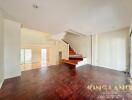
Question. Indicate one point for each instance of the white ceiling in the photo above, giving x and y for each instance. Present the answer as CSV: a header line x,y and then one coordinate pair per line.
x,y
83,16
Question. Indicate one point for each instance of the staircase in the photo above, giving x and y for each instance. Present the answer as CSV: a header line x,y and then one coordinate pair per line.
x,y
74,58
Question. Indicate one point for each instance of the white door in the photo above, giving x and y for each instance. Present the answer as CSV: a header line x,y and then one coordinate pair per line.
x,y
43,57
26,56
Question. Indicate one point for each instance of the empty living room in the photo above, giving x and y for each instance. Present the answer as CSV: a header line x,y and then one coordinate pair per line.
x,y
65,49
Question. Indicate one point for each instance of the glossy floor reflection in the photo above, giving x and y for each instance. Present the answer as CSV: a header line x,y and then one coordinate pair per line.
x,y
25,67
61,82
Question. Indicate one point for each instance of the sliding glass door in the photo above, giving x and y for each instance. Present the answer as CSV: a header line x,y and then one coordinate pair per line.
x,y
26,56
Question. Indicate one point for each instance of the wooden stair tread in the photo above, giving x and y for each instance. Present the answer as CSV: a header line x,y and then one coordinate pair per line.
x,y
72,62
73,57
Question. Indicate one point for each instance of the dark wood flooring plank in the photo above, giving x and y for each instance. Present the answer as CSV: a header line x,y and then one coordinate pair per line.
x,y
62,83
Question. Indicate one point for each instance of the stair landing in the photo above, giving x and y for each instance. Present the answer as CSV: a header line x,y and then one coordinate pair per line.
x,y
71,62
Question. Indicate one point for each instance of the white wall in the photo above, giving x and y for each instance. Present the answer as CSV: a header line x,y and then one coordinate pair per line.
x,y
29,36
59,36
131,48
81,44
131,56
11,48
111,50
1,50
130,30
64,48
59,46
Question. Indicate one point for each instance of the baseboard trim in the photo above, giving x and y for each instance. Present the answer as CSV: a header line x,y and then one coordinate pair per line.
x,y
1,83
121,70
12,76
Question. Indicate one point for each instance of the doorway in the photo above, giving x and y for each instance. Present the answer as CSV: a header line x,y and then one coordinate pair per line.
x,y
33,58
43,57
26,59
